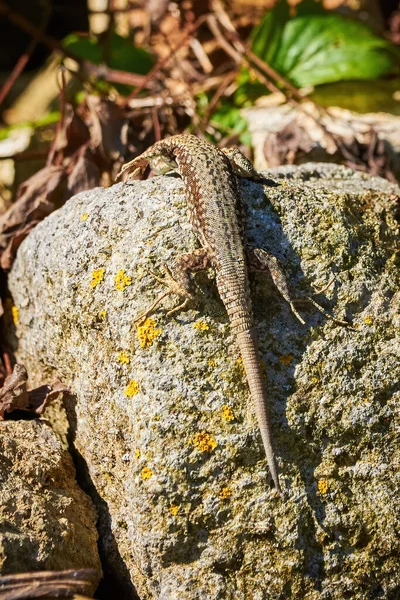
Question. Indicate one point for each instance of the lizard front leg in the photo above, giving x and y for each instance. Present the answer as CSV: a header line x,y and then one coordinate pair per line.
x,y
178,279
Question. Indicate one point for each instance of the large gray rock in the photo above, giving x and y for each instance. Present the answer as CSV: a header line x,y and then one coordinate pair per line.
x,y
162,416
46,522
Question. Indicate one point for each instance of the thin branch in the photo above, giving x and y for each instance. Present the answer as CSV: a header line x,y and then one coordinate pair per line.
x,y
157,67
60,122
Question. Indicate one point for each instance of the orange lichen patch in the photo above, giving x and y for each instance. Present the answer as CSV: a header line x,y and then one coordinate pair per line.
x,y
147,332
132,389
97,277
137,453
122,280
204,442
323,486
368,320
227,413
146,473
174,509
240,364
225,493
84,217
201,326
123,358
286,359
15,314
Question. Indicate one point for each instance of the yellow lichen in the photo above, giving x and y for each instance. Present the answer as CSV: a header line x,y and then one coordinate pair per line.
x,y
227,413
314,379
146,473
368,320
211,362
132,389
137,453
240,364
102,314
201,326
225,493
286,359
97,277
84,217
174,509
122,280
147,332
123,358
323,486
204,442
15,314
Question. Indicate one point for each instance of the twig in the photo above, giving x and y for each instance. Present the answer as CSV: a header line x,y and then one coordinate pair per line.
x,y
215,99
98,71
60,122
157,67
156,124
23,59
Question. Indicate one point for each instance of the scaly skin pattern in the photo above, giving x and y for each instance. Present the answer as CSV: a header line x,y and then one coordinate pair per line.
x,y
213,199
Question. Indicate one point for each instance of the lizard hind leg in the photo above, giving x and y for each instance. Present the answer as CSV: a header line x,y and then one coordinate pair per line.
x,y
263,261
178,280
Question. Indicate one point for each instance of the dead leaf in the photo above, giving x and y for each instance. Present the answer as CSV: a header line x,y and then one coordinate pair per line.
x,y
8,254
42,396
285,146
43,187
109,128
85,174
14,395
75,132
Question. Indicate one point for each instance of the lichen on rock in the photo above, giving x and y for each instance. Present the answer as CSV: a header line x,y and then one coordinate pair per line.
x,y
208,524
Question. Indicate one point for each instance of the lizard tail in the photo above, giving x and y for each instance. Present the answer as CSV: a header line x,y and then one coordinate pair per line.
x,y
247,341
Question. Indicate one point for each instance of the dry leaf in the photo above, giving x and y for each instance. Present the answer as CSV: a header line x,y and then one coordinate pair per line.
x,y
85,174
36,193
285,146
109,128
14,395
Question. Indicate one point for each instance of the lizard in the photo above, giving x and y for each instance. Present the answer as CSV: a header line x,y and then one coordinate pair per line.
x,y
215,213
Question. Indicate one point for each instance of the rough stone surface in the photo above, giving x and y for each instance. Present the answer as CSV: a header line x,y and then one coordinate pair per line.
x,y
167,429
46,522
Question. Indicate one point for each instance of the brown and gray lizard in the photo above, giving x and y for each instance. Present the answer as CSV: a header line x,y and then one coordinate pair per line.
x,y
212,195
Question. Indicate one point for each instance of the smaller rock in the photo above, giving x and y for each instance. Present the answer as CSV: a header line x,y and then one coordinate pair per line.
x,y
46,521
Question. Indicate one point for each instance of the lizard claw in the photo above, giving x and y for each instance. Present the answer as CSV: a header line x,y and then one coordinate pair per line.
x,y
173,287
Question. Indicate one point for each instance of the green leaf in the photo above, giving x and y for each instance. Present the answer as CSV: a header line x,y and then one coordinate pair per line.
x,y
229,119
317,46
121,53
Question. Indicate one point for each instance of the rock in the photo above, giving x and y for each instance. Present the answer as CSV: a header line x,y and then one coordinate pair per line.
x,y
294,134
162,415
47,522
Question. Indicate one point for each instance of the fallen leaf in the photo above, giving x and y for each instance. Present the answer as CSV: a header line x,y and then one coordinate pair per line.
x,y
43,187
85,174
109,127
286,145
8,254
42,396
14,395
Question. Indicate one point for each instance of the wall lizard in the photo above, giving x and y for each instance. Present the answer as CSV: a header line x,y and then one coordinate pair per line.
x,y
213,198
